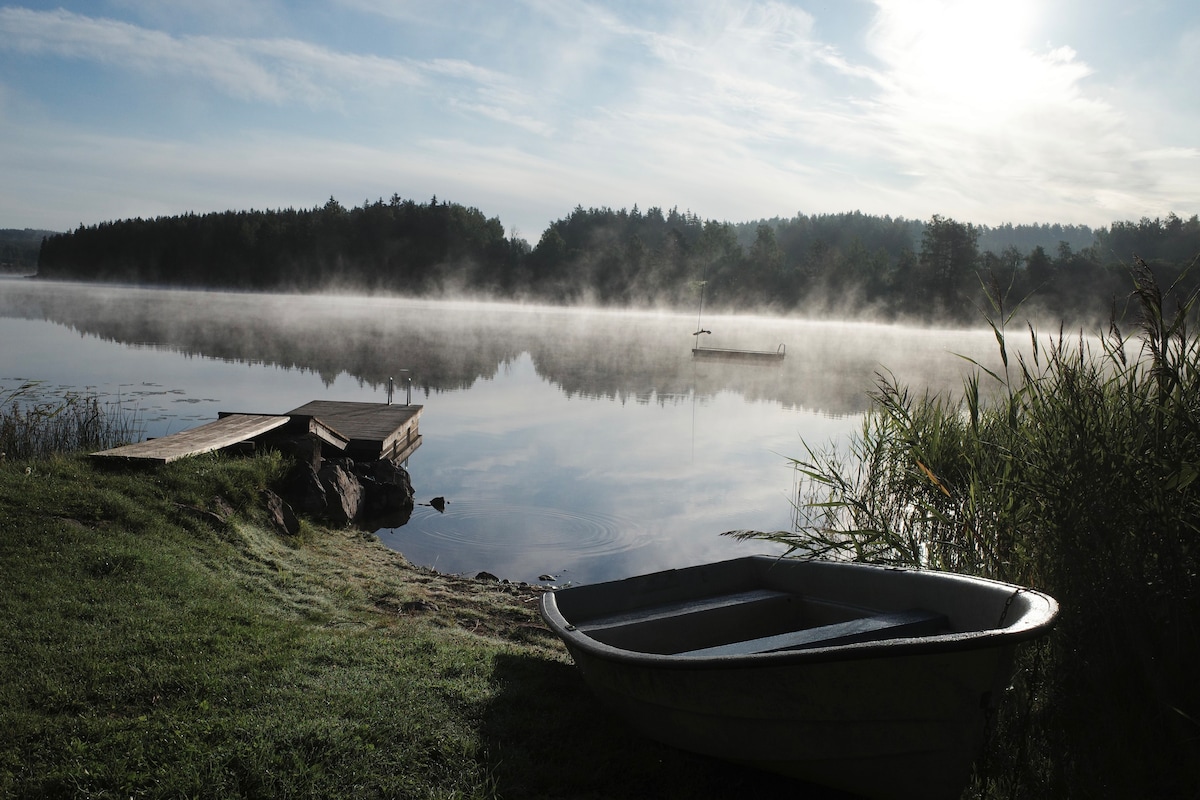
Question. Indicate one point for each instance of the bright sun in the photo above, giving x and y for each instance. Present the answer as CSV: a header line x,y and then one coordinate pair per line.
x,y
959,47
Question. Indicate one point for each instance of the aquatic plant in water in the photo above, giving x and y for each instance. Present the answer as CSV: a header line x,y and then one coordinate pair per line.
x,y
34,425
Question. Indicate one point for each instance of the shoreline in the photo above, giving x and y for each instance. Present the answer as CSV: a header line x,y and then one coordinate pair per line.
x,y
160,642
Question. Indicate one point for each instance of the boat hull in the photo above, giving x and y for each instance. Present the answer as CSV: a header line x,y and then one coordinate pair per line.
x,y
902,717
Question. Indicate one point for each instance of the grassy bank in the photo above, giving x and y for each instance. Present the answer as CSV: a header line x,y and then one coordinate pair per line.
x,y
157,639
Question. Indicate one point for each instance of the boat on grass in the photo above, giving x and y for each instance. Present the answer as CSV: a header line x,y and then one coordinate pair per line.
x,y
873,680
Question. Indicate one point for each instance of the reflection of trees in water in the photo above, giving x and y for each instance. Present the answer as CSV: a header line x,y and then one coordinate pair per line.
x,y
447,346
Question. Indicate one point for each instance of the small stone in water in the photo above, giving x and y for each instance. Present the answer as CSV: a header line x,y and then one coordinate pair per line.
x,y
547,577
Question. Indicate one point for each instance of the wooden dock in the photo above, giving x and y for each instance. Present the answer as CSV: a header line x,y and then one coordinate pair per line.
x,y
371,430
224,432
365,431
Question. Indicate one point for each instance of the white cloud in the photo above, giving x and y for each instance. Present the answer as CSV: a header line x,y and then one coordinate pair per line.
x,y
958,113
490,94
507,116
67,176
279,71
273,70
989,125
223,14
732,109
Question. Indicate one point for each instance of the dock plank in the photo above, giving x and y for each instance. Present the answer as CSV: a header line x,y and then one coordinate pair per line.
x,y
224,432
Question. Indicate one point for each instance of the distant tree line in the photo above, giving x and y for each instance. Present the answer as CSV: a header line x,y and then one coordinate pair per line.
x,y
851,264
19,249
401,246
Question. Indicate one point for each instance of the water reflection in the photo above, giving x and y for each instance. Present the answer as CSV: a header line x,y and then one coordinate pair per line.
x,y
588,445
629,356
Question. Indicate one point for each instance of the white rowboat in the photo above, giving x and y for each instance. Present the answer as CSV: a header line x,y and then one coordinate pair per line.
x,y
873,680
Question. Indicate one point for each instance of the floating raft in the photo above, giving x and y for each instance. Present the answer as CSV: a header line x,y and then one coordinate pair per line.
x,y
365,431
729,354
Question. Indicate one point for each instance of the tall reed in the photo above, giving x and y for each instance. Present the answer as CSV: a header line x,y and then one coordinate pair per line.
x,y
1073,468
34,426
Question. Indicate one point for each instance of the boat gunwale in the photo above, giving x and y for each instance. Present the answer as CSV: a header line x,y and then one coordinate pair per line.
x,y
1032,623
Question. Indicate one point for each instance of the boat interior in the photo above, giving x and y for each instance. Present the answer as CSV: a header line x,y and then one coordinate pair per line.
x,y
764,604
755,621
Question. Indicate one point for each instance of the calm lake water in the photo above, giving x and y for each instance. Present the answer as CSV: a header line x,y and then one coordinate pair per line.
x,y
584,444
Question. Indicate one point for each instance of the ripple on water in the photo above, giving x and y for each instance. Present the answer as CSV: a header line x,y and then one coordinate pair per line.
x,y
491,527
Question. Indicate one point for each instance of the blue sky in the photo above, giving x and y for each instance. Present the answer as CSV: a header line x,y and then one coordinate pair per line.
x,y
987,111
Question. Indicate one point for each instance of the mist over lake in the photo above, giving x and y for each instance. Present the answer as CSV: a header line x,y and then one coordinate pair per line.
x,y
578,443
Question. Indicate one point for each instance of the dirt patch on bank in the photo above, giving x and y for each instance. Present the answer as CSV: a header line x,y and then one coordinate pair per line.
x,y
390,588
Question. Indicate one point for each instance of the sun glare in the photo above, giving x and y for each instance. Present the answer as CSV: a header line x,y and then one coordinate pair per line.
x,y
962,48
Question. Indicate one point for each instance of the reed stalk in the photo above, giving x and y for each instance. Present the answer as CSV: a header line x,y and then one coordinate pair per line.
x,y
1071,468
33,425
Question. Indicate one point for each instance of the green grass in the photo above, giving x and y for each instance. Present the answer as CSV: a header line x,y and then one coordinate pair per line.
x,y
156,641
1073,468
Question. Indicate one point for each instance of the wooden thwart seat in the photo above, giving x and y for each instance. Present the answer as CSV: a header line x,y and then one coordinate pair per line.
x,y
737,600
901,624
